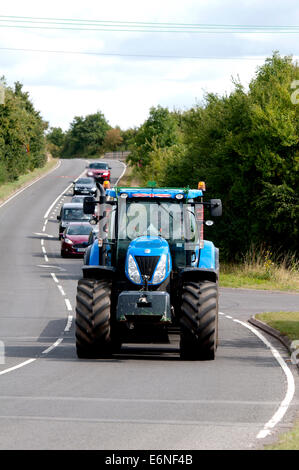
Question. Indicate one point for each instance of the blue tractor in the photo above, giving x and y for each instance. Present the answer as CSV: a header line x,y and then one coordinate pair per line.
x,y
149,273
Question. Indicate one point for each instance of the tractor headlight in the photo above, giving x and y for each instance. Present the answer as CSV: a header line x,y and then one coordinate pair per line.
x,y
160,271
133,270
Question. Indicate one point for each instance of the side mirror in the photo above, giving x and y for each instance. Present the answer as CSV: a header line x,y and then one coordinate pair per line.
x,y
58,217
216,207
109,168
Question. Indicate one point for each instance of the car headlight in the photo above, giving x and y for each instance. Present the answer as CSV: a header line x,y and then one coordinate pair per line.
x,y
133,270
89,173
68,241
160,271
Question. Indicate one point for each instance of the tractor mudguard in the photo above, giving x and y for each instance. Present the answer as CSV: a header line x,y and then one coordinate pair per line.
x,y
98,272
198,274
208,267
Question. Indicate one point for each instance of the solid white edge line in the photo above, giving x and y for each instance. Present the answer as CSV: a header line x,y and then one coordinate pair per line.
x,y
125,167
29,185
279,414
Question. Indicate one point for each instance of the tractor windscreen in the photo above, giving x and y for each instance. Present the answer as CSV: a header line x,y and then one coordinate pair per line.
x,y
175,222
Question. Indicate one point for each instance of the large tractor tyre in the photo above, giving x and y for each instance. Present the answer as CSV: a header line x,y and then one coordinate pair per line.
x,y
93,319
199,321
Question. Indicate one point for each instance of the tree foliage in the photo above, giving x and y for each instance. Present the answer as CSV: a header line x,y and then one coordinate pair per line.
x,y
113,140
22,140
85,136
158,131
55,140
245,146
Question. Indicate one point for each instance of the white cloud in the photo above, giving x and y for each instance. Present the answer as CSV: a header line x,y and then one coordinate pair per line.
x,y
124,88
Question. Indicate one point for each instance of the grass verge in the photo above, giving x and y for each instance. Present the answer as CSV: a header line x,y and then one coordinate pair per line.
x,y
286,323
8,189
287,441
129,178
262,270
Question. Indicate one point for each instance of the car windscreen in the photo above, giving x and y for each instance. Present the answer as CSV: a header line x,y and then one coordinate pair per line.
x,y
79,230
84,181
78,199
74,214
99,166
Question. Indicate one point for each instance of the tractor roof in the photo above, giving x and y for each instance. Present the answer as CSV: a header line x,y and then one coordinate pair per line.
x,y
159,193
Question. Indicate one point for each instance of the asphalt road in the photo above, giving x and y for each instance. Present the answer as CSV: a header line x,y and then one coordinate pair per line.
x,y
143,398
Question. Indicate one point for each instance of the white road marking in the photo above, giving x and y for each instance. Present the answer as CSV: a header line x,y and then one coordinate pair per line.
x,y
284,405
125,167
69,323
22,364
60,195
68,304
61,290
50,266
43,234
46,258
54,345
54,277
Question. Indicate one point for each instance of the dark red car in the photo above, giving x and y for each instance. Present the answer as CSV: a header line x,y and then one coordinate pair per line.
x,y
74,239
100,171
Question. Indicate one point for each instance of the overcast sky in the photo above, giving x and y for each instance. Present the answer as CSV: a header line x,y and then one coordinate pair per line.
x,y
64,85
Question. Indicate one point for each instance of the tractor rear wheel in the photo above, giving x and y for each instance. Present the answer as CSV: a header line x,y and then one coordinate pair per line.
x,y
199,320
93,319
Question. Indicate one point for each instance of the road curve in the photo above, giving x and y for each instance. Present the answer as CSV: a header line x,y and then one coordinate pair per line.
x,y
143,398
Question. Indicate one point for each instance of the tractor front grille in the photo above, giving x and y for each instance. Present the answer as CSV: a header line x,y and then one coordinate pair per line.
x,y
147,264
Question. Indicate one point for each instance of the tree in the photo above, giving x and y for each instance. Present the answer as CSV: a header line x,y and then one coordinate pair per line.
x,y
22,140
112,140
245,145
160,130
86,135
55,140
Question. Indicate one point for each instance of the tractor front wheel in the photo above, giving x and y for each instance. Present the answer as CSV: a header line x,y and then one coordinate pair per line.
x,y
93,319
199,320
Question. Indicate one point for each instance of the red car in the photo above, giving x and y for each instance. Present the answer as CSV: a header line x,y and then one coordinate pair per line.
x,y
74,239
100,171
